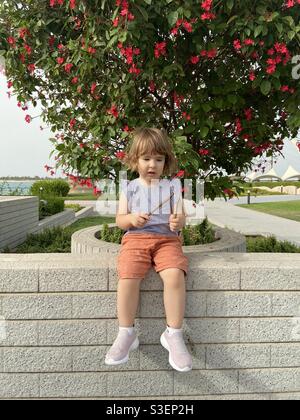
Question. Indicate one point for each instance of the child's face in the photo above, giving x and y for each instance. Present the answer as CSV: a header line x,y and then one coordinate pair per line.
x,y
151,166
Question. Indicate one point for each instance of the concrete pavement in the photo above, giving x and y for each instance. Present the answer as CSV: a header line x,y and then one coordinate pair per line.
x,y
251,222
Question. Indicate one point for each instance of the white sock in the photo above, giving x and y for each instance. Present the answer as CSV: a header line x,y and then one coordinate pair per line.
x,y
173,330
130,330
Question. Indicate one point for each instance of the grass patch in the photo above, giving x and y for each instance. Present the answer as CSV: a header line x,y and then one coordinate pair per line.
x,y
257,192
287,209
75,207
276,184
88,196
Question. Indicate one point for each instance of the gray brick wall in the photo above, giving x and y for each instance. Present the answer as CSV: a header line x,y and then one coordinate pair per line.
x,y
60,319
19,216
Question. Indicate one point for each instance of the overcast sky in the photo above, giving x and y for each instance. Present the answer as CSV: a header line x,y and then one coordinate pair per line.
x,y
24,148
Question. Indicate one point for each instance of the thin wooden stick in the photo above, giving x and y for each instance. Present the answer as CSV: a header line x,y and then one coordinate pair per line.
x,y
160,206
175,212
164,202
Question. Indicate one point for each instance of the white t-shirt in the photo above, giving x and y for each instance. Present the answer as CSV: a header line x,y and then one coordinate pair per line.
x,y
145,199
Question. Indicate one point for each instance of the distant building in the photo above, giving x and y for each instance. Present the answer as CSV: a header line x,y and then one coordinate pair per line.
x,y
286,168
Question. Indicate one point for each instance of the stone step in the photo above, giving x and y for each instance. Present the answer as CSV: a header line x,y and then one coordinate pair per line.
x,y
97,305
149,383
83,332
151,357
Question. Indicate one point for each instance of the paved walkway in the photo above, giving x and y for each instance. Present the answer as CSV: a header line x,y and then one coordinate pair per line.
x,y
220,213
251,222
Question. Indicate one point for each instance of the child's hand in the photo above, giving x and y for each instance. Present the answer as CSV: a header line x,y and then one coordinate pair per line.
x,y
176,223
139,220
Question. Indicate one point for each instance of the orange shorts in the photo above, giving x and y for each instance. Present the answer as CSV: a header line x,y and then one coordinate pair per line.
x,y
140,251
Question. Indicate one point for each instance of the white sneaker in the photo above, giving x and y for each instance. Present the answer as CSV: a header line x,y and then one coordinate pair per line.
x,y
179,356
119,351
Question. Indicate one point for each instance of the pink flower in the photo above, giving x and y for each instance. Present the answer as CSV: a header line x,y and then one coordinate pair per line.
x,y
93,88
252,76
248,114
113,111
120,155
207,5
238,126
97,191
194,59
31,68
204,152
160,49
68,67
186,116
237,44
60,60
180,174
152,86
72,123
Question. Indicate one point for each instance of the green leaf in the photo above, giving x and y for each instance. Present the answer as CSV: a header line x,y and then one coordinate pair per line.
x,y
143,12
291,35
172,18
258,31
265,87
204,131
230,4
232,99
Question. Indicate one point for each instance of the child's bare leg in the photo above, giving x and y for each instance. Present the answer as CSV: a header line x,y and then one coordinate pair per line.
x,y
127,340
127,301
174,296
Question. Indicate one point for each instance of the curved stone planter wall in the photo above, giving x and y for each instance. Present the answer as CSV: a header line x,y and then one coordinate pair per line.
x,y
86,241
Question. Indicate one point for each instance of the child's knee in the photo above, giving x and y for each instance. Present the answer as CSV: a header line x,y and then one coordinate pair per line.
x,y
130,282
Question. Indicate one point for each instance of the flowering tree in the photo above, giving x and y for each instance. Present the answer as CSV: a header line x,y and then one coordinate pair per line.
x,y
217,75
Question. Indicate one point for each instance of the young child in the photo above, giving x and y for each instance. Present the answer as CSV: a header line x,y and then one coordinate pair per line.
x,y
152,238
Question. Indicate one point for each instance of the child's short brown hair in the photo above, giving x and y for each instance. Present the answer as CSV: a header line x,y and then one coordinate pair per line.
x,y
151,141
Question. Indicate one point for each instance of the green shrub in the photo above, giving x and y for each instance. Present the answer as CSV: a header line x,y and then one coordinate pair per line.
x,y
192,235
270,244
55,187
57,239
113,235
50,206
198,234
75,207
